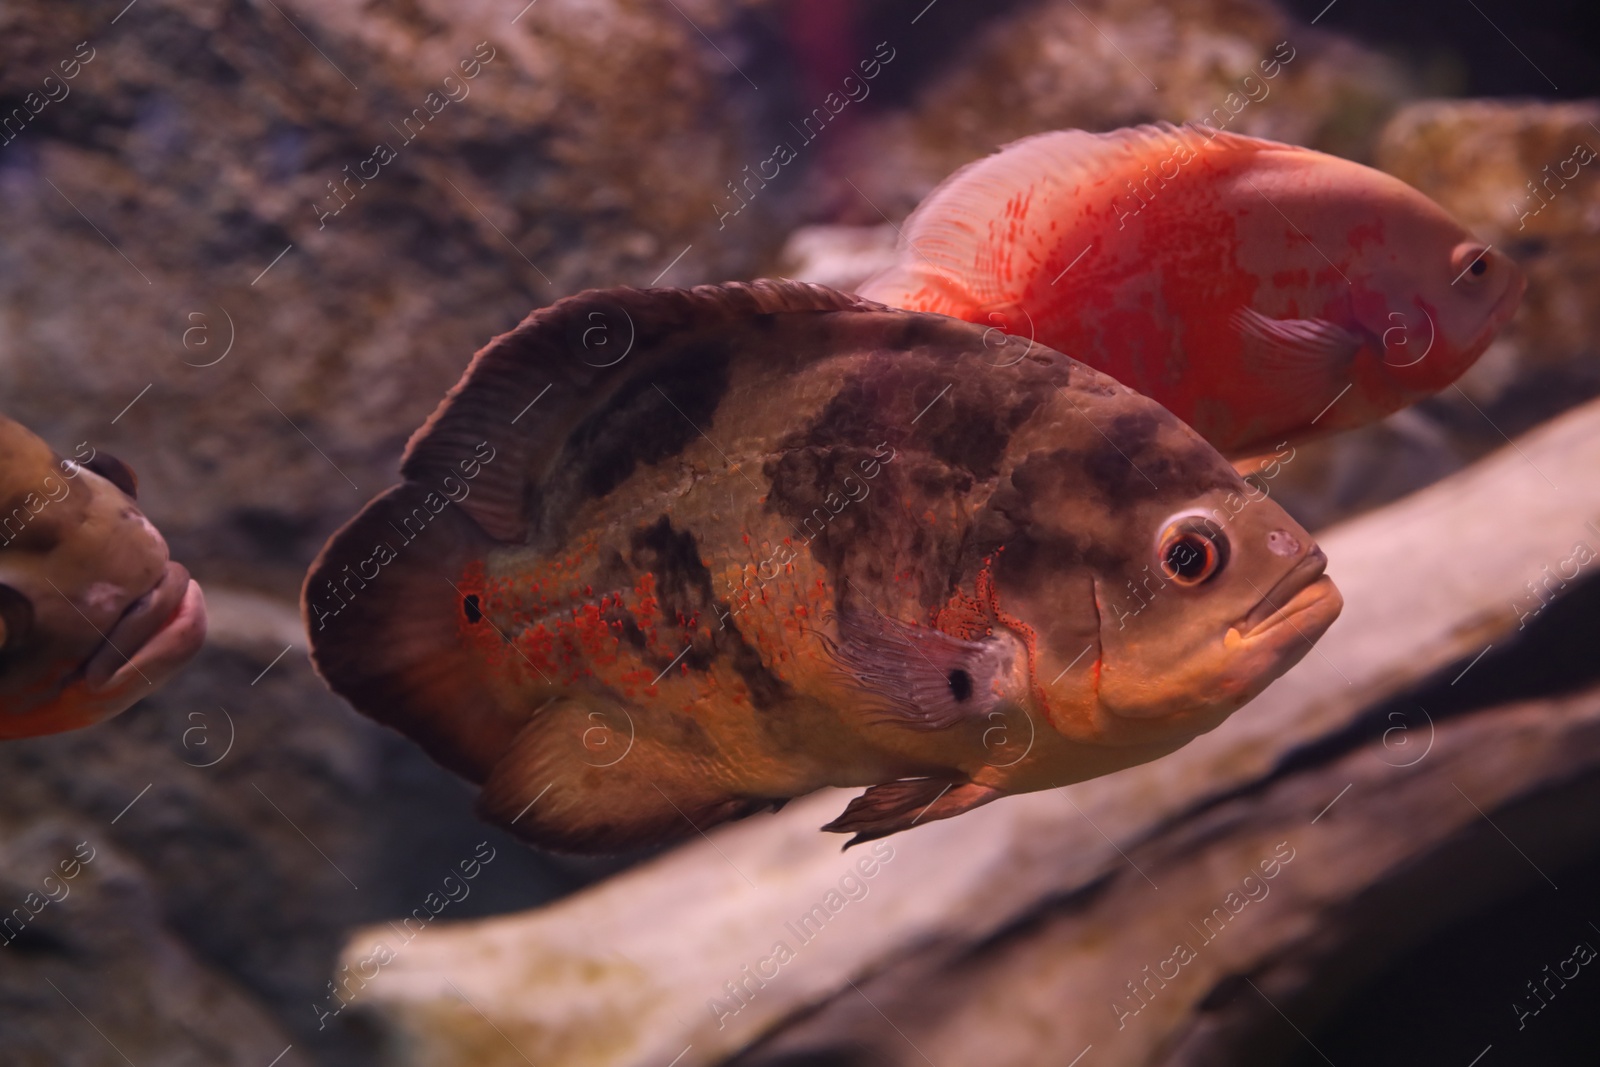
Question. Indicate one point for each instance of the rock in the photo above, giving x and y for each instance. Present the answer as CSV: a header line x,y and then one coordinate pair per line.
x,y
251,820
841,257
599,978
244,621
214,272
148,210
180,291
1101,65
1487,162
92,974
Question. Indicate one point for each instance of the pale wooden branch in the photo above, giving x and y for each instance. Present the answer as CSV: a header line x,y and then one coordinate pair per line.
x,y
1199,970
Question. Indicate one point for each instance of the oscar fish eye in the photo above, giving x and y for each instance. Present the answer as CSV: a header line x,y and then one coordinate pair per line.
x,y
116,472
1191,552
1469,263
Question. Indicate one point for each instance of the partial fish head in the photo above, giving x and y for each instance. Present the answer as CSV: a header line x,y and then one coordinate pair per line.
x,y
1431,293
1158,592
93,614
1425,295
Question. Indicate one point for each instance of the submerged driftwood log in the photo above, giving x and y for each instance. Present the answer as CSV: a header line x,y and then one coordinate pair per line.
x,y
711,948
1230,937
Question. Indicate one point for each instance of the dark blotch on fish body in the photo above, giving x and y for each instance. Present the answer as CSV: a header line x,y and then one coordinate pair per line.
x,y
641,426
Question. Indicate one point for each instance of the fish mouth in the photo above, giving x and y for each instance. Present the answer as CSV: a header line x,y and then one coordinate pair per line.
x,y
1506,306
1304,586
159,632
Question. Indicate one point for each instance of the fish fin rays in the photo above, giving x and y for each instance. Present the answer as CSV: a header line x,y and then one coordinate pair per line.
x,y
1304,354
962,237
895,806
917,676
1245,466
587,780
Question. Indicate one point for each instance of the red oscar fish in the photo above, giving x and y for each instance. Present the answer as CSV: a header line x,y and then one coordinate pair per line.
x,y
1262,293
665,558
93,615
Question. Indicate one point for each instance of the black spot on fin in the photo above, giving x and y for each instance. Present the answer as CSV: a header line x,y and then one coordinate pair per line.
x,y
385,619
920,677
894,806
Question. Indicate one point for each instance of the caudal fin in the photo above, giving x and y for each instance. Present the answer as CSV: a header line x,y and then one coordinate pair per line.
x,y
386,616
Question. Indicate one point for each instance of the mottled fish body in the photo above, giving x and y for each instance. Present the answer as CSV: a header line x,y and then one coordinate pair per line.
x,y
1261,292
664,558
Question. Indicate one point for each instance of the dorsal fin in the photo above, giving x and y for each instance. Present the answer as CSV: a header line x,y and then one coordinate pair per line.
x,y
528,390
964,235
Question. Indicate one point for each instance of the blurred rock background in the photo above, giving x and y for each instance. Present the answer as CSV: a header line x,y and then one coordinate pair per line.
x,y
176,290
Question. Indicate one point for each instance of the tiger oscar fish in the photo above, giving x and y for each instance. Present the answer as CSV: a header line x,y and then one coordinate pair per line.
x,y
665,558
94,616
1261,292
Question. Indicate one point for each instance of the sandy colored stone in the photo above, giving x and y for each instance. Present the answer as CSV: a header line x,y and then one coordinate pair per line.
x,y
1098,65
95,943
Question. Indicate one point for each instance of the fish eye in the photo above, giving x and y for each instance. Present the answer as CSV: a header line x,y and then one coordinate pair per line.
x,y
1191,552
471,609
116,472
1469,262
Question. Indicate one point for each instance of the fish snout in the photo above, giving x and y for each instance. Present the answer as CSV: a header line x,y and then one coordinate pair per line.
x,y
1510,300
1304,588
157,633
1286,543
1488,276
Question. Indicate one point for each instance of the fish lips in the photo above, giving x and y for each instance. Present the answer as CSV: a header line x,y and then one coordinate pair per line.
x,y
159,632
1303,587
1507,305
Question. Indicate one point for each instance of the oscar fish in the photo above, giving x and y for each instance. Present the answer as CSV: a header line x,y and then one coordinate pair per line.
x,y
665,558
1261,292
94,616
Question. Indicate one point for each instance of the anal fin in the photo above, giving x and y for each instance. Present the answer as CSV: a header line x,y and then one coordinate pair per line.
x,y
894,806
580,780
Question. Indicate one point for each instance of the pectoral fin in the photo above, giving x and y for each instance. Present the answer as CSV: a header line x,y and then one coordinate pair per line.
x,y
1302,353
917,676
894,806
